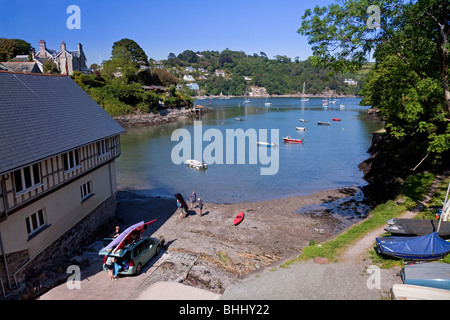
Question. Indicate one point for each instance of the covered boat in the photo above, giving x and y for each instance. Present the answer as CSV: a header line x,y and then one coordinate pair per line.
x,y
418,227
435,275
429,247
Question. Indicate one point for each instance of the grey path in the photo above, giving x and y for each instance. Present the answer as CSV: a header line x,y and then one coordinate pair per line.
x,y
310,281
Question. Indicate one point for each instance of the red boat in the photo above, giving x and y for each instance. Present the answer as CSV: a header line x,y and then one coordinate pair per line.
x,y
292,140
336,119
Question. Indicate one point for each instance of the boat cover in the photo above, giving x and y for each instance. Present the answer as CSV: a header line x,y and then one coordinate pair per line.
x,y
436,275
428,247
417,227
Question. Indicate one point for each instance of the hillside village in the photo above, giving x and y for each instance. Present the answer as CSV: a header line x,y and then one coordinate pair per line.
x,y
130,82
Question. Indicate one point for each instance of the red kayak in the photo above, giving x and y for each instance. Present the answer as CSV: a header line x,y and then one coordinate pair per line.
x,y
292,140
336,119
239,218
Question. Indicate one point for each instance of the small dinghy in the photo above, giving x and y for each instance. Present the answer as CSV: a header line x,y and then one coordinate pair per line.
x,y
321,123
196,164
300,128
433,274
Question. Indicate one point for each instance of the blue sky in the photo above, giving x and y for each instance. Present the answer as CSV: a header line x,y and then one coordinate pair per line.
x,y
162,27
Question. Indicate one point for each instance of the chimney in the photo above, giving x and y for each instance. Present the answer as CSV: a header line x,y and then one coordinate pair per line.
x,y
63,46
42,48
33,54
80,48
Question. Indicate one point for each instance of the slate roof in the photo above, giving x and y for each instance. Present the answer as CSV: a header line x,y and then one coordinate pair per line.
x,y
42,116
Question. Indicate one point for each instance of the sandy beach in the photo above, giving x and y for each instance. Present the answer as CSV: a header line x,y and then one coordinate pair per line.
x,y
270,233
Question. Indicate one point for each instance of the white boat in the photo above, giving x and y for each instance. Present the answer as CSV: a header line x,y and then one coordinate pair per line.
x,y
411,292
302,120
262,143
341,106
300,128
196,164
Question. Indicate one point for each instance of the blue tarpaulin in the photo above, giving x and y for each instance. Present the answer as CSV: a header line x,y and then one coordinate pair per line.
x,y
428,247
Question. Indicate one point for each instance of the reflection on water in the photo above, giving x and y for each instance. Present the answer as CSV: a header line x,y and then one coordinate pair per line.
x,y
328,158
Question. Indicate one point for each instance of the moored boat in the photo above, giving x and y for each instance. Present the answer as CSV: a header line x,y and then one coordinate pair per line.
x,y
336,119
292,140
196,164
323,123
267,144
300,128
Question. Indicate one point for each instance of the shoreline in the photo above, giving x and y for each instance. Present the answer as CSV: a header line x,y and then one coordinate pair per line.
x,y
272,232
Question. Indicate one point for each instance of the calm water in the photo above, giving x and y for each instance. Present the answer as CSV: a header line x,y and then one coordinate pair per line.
x,y
328,158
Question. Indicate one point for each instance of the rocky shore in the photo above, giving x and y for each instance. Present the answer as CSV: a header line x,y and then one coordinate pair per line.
x,y
163,116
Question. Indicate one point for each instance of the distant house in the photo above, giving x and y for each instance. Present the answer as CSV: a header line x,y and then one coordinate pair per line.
x,y
219,73
188,78
67,61
26,67
247,78
351,82
190,69
193,86
57,172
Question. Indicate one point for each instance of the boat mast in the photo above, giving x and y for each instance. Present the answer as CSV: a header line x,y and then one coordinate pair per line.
x,y
445,209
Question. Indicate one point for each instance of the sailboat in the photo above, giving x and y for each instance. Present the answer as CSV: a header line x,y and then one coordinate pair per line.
x,y
267,103
304,99
246,100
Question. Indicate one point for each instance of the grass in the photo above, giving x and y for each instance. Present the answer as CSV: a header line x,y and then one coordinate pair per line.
x,y
415,189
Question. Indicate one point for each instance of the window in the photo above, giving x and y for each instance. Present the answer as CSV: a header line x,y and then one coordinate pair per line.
x,y
27,178
86,190
71,160
103,147
35,222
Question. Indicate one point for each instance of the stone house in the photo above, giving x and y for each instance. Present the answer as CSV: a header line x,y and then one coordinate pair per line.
x,y
67,61
57,172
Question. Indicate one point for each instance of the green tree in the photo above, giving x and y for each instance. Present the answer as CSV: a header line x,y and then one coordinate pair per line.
x,y
409,82
9,48
120,66
137,54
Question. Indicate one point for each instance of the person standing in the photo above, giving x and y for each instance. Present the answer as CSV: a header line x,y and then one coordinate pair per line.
x,y
180,207
200,206
116,234
110,267
193,199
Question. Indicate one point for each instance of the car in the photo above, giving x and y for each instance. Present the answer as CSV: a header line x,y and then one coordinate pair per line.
x,y
131,258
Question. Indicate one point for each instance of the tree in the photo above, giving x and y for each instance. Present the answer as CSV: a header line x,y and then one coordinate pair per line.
x,y
50,67
121,65
9,48
137,54
342,38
